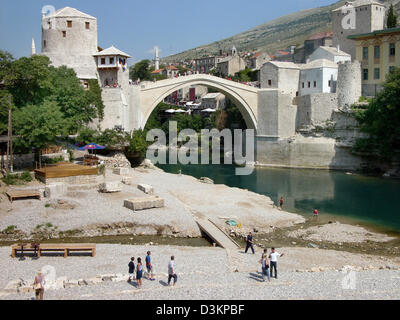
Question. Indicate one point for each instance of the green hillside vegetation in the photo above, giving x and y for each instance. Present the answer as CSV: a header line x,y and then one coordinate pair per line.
x,y
292,29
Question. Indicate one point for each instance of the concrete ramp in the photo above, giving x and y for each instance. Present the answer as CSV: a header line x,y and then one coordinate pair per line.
x,y
216,234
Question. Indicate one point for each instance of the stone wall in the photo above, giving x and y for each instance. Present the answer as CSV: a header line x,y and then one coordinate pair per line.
x,y
315,108
115,160
76,180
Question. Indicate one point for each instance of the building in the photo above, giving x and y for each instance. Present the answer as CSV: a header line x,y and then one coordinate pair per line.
x,y
330,53
206,64
214,101
112,67
168,71
318,76
320,39
379,54
281,75
69,37
369,16
256,61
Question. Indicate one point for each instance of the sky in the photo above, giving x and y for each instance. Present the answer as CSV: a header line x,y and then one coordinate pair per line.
x,y
136,26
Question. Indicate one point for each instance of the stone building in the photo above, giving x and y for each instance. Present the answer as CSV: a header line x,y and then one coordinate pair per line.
x,y
379,54
214,101
369,16
206,64
330,53
280,75
69,37
168,71
256,61
320,39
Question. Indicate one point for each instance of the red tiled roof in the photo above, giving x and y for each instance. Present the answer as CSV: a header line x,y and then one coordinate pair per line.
x,y
283,53
321,35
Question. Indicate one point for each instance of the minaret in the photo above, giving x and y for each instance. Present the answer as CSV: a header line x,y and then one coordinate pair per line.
x,y
33,52
156,58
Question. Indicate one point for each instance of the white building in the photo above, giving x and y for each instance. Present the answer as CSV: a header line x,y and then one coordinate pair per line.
x,y
330,53
318,76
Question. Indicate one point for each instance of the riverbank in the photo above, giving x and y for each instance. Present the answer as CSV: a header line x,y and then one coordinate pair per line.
x,y
304,273
85,212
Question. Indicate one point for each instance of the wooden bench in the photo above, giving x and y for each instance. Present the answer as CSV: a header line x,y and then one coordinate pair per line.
x,y
20,194
53,247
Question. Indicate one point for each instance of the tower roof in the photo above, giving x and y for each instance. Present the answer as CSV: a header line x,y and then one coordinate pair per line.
x,y
69,12
112,51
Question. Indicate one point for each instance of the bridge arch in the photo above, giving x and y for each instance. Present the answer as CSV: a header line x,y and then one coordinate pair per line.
x,y
245,97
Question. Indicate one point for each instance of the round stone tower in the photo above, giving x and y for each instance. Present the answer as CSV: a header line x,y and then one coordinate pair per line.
x,y
69,37
348,83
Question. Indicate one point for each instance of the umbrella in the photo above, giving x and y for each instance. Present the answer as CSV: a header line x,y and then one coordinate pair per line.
x,y
92,146
170,111
180,111
208,110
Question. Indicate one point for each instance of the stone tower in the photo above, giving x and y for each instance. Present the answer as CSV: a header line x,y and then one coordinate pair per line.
x,y
69,37
359,16
348,86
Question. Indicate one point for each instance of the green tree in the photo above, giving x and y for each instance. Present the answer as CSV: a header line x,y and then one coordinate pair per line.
x,y
138,144
29,80
6,60
381,120
4,107
391,18
141,70
87,135
37,126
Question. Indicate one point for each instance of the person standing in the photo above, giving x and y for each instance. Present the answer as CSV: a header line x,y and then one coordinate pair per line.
x,y
281,202
249,243
131,267
149,267
38,285
265,265
139,273
273,256
171,271
316,213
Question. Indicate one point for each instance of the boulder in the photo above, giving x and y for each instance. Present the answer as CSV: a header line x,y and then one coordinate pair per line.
x,y
147,189
127,180
144,203
111,186
121,171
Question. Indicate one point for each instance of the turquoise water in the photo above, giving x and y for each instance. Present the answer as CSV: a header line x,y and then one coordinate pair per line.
x,y
369,200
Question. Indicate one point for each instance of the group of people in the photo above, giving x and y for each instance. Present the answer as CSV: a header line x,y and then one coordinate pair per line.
x,y
150,271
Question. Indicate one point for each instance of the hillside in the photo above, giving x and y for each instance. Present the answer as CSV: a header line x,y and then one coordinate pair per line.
x,y
277,34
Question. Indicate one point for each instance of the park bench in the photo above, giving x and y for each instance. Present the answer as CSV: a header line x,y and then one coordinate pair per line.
x,y
53,247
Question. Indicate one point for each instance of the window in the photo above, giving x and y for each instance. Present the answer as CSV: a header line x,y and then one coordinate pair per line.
x,y
87,25
377,74
391,69
270,82
69,24
64,34
49,24
377,52
103,60
365,53
302,85
365,74
111,60
315,84
392,49
309,84
329,83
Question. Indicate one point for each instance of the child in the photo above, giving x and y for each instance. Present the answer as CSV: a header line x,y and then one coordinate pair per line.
x,y
139,272
131,266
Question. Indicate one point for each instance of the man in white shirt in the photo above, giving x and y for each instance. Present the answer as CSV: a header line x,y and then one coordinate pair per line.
x,y
171,271
273,256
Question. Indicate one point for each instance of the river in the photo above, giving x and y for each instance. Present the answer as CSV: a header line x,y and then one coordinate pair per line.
x,y
345,197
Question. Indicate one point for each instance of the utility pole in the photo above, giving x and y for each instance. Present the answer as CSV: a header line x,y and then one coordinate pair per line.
x,y
9,163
